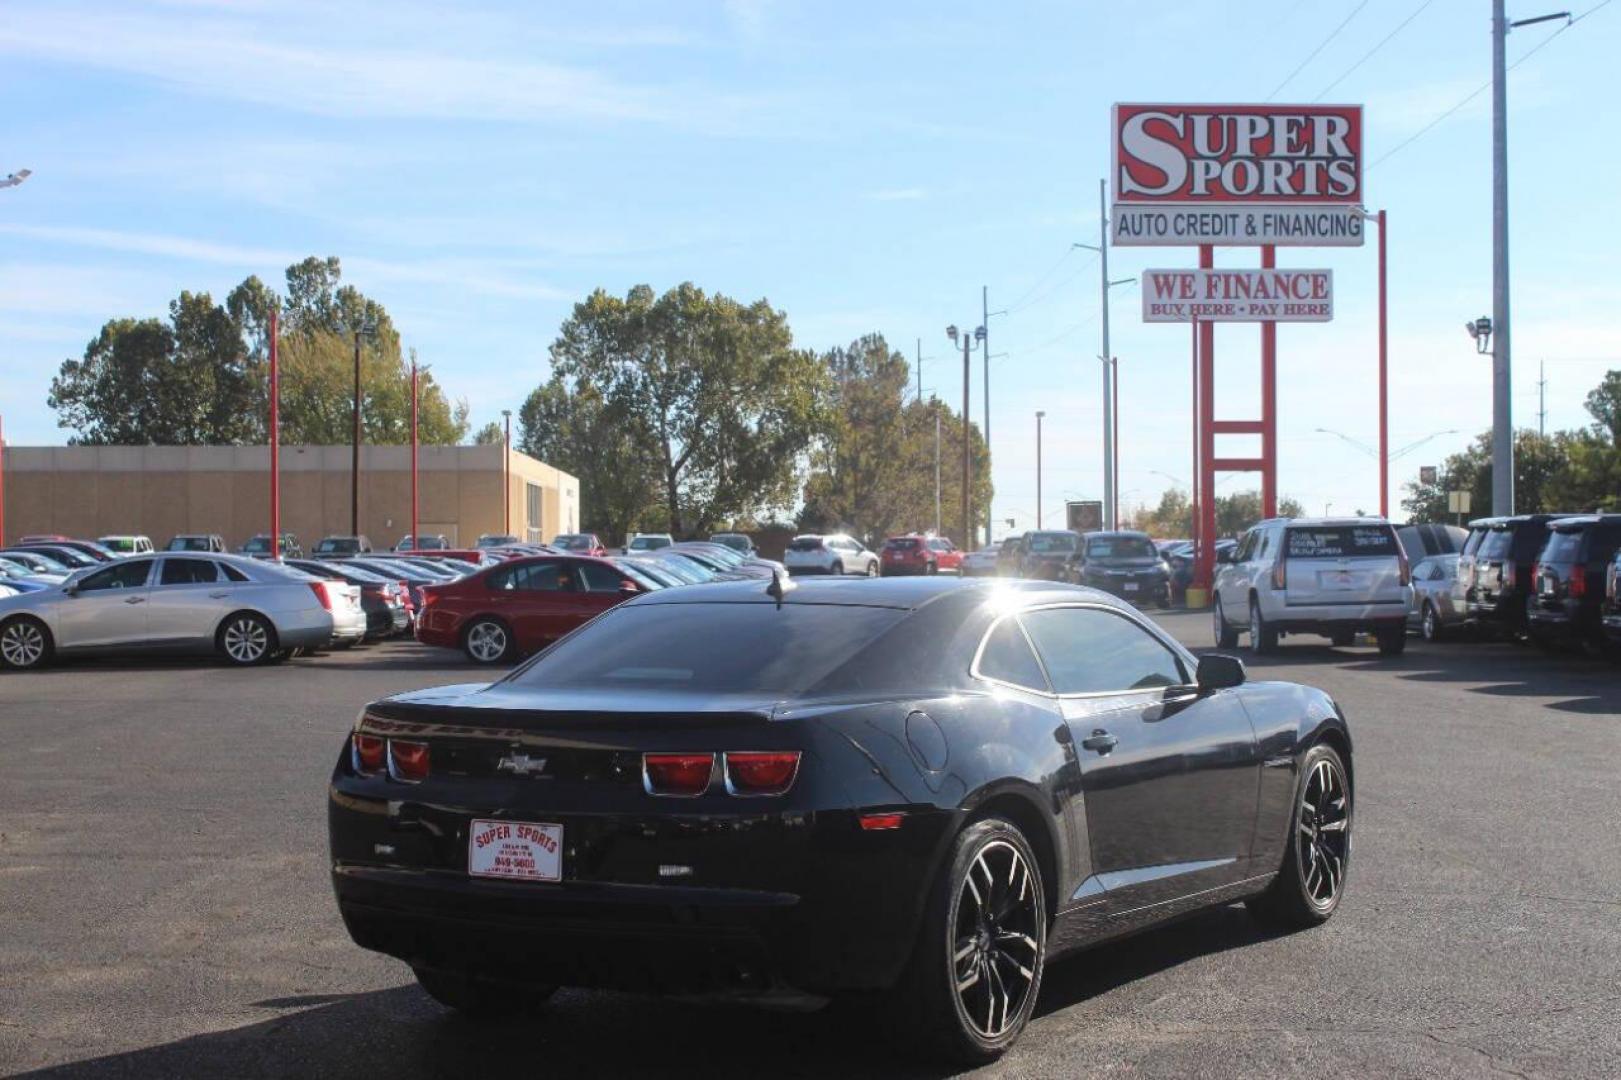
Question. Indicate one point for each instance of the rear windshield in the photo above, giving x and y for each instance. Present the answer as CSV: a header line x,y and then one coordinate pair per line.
x,y
572,543
1340,541
1121,547
189,543
258,543
675,647
120,543
1045,543
1473,542
1564,545
806,543
648,543
1496,544
331,545
901,543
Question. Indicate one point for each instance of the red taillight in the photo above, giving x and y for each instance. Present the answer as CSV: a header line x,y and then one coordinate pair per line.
x,y
408,761
428,596
366,753
1578,581
320,590
877,822
677,774
769,772
1280,571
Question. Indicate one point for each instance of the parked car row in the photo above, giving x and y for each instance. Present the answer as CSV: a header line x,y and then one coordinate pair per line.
x,y
498,613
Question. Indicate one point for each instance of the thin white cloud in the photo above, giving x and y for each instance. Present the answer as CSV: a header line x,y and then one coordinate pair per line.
x,y
908,194
258,61
472,275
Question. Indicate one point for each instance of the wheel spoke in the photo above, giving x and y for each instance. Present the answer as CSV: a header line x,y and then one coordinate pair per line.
x,y
1013,937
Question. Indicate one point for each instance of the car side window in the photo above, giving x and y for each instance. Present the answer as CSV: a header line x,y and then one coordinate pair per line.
x,y
1264,544
599,578
1090,650
123,576
1007,657
188,572
541,577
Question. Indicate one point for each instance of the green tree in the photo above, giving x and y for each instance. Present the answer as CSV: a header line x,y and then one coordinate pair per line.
x,y
1173,517
712,390
491,434
1541,478
574,428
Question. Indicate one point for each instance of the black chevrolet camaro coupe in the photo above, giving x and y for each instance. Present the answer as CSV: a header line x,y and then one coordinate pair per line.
x,y
923,787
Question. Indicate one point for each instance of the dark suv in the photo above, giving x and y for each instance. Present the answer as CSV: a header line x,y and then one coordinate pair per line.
x,y
1499,570
1568,582
1128,565
1050,555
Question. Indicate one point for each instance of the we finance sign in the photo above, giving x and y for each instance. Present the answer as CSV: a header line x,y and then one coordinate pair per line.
x,y
1288,175
1238,295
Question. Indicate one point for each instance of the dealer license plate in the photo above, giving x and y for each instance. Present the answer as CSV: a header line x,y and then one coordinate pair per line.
x,y
515,850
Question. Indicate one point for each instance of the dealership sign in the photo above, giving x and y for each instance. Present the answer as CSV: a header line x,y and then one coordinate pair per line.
x,y
1289,175
1238,295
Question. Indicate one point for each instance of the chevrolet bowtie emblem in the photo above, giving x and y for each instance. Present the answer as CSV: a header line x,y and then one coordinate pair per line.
x,y
521,765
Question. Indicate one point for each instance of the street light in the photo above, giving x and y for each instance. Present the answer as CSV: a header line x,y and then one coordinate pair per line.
x,y
1110,475
506,474
1481,331
365,329
13,179
1039,415
969,341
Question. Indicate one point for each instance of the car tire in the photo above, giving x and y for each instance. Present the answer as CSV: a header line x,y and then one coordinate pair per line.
x,y
1263,641
1340,639
25,643
934,568
488,640
1225,633
1429,623
246,639
872,568
1311,882
1393,641
482,998
997,945
838,568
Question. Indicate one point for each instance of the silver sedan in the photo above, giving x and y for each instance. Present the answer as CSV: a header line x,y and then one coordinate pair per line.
x,y
248,612
1431,611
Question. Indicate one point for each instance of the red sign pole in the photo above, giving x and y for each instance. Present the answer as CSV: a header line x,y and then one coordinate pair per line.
x,y
1206,479
416,538
1193,484
1384,399
1269,402
275,443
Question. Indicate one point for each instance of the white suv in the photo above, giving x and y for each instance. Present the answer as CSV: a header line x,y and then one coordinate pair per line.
x,y
836,554
1328,576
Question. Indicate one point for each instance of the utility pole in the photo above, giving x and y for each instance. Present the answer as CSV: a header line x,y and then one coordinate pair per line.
x,y
920,369
1502,384
969,340
985,323
1108,382
354,460
1542,397
506,473
937,468
1039,415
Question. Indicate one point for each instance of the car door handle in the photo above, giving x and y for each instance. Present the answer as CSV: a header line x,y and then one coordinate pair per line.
x,y
218,595
135,600
1100,740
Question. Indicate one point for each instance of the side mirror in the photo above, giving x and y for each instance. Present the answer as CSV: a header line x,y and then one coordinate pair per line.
x,y
72,589
1217,672
1225,555
628,589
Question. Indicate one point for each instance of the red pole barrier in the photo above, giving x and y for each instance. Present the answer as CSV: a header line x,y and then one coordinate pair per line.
x,y
506,476
1207,439
1193,474
2,483
1114,407
1269,402
415,541
1384,399
275,443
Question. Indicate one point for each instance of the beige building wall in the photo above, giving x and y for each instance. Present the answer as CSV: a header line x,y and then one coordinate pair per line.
x,y
159,491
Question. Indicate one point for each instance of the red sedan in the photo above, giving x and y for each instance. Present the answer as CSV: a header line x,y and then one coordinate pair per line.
x,y
519,607
918,554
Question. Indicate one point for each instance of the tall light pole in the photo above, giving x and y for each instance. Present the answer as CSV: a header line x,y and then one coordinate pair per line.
x,y
363,330
275,440
984,324
416,536
937,467
969,340
506,472
1102,248
1039,415
1502,382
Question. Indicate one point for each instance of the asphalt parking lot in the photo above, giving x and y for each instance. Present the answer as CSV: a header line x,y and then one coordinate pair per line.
x,y
166,910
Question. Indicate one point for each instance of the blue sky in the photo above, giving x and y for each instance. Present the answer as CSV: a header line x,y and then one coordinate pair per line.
x,y
866,167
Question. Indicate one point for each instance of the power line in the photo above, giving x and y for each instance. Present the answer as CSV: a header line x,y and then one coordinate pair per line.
x,y
1313,54
1369,54
1483,87
1031,301
1040,281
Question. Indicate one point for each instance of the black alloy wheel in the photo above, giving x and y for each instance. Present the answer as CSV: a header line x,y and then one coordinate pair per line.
x,y
1311,882
976,970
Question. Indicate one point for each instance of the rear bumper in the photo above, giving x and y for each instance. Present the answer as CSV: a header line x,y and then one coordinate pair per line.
x,y
1338,618
1564,619
1146,588
307,628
